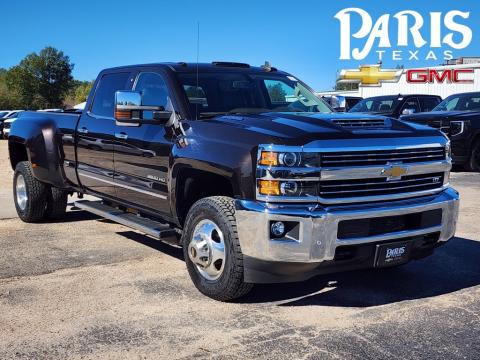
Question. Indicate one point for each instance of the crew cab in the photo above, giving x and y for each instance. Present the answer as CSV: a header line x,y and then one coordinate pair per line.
x,y
252,174
458,116
396,105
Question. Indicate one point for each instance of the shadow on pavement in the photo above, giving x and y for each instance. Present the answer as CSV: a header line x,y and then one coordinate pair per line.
x,y
158,245
454,266
76,215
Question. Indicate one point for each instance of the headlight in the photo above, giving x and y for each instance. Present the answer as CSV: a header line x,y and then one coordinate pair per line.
x,y
286,188
287,172
448,150
271,158
457,127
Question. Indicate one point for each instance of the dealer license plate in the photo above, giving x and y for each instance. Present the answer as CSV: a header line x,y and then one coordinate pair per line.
x,y
392,254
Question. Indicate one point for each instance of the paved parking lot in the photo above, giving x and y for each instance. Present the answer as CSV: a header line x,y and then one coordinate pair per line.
x,y
88,288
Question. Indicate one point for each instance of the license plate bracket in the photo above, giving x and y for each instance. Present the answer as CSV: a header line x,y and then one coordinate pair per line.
x,y
392,254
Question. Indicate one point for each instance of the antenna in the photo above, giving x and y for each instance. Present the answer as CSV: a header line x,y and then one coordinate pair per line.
x,y
198,52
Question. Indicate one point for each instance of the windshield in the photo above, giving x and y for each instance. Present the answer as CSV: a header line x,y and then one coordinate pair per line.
x,y
381,104
238,92
464,102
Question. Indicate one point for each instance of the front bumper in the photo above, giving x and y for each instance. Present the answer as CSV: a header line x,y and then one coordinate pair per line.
x,y
313,247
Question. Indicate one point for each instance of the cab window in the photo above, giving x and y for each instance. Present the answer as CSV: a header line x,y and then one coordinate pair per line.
x,y
105,93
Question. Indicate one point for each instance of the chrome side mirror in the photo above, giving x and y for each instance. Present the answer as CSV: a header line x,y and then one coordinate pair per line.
x,y
408,111
129,109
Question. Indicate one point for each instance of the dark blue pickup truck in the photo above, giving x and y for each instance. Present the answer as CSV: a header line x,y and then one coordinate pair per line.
x,y
458,116
244,167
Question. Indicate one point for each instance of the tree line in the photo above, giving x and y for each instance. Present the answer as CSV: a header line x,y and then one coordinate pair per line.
x,y
42,81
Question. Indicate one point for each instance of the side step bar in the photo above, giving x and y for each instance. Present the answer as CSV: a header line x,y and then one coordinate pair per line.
x,y
158,230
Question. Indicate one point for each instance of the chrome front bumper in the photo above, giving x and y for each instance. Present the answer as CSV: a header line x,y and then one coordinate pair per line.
x,y
317,234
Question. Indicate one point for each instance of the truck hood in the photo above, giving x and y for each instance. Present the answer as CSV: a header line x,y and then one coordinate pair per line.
x,y
300,128
432,117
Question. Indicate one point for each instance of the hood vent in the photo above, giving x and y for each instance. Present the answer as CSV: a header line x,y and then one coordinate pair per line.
x,y
360,123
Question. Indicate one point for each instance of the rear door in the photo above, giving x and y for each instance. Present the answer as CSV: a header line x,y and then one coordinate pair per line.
x,y
95,136
142,152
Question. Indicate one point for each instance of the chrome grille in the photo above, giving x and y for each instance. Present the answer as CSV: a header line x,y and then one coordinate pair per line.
x,y
382,157
379,186
360,123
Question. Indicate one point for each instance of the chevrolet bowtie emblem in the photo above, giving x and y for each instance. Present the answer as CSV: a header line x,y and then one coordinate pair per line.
x,y
369,75
394,171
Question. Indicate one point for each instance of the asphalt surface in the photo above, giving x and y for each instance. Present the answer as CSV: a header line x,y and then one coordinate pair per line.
x,y
88,288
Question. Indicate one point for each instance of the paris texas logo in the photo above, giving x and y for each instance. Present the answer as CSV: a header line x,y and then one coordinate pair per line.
x,y
415,40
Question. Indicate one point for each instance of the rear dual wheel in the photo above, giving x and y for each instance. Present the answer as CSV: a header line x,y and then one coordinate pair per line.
x,y
34,200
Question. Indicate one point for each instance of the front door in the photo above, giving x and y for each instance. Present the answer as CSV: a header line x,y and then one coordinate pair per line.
x,y
95,136
142,152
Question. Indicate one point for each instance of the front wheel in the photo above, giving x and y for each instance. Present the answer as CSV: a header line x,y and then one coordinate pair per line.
x,y
212,250
474,161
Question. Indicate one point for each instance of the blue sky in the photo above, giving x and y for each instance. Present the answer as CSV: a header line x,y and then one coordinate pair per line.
x,y
301,37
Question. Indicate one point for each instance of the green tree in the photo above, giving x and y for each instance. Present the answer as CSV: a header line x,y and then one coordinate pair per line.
x,y
8,99
79,93
42,80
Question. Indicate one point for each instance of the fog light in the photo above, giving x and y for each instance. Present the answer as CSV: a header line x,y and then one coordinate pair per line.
x,y
277,229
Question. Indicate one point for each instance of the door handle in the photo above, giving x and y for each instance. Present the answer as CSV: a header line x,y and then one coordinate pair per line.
x,y
121,135
83,130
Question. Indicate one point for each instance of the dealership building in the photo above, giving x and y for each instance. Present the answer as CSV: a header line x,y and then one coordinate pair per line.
x,y
443,89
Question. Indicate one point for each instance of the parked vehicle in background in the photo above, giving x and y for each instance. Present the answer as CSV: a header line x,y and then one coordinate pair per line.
x,y
245,167
7,121
458,116
341,103
7,114
50,110
396,105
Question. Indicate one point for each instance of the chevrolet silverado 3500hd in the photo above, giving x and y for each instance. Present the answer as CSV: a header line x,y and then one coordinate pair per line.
x,y
256,177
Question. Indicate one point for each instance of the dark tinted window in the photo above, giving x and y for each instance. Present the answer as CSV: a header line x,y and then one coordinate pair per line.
x,y
105,94
376,104
428,103
412,104
460,102
214,93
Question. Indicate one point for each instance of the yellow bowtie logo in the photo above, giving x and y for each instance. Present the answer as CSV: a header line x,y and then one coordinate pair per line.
x,y
394,171
369,75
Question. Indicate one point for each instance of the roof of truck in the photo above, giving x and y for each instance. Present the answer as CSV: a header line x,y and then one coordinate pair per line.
x,y
203,67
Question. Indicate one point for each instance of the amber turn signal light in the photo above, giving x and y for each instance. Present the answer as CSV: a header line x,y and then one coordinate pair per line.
x,y
269,187
268,158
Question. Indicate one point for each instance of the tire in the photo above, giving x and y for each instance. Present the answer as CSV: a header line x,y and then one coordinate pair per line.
x,y
473,163
217,213
30,195
56,204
